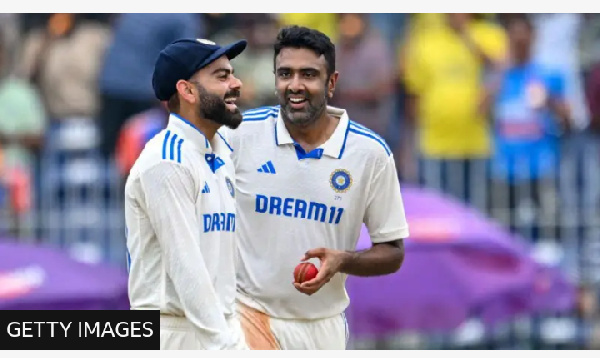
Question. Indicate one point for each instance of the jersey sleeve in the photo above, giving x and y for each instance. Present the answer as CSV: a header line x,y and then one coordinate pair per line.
x,y
170,194
384,217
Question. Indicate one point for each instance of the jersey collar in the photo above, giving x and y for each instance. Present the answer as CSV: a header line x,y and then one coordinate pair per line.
x,y
195,135
333,147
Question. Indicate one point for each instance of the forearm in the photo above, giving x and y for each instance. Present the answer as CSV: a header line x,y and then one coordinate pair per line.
x,y
380,259
561,110
477,51
33,142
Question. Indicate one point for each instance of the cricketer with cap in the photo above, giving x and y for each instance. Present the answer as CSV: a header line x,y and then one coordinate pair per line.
x,y
180,205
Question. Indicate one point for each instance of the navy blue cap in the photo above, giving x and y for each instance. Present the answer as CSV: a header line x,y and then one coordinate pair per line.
x,y
182,58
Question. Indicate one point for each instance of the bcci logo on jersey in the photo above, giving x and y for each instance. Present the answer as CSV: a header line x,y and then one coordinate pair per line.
x,y
340,180
230,187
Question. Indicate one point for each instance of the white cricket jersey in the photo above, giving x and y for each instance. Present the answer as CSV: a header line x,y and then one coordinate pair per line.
x,y
290,201
180,217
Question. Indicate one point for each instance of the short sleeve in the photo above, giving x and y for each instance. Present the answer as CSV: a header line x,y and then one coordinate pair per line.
x,y
385,217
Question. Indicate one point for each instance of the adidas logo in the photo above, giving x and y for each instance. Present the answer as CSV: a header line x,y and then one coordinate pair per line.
x,y
206,189
267,168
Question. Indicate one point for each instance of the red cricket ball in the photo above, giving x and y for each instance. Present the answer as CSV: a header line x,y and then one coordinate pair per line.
x,y
305,271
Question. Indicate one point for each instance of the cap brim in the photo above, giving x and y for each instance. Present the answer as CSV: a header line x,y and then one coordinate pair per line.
x,y
234,49
231,51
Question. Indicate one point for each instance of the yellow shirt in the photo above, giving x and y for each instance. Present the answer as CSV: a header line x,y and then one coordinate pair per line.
x,y
448,79
326,23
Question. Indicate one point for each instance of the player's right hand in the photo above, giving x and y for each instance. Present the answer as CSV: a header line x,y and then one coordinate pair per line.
x,y
331,263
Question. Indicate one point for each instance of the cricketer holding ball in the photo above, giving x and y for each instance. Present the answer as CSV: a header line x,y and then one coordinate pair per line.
x,y
307,178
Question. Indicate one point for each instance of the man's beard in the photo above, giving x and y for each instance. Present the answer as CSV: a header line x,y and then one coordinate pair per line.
x,y
213,107
303,117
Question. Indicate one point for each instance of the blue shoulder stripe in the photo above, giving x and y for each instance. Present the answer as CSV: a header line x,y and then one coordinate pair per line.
x,y
171,148
368,130
179,150
224,141
360,126
164,147
260,115
372,135
261,110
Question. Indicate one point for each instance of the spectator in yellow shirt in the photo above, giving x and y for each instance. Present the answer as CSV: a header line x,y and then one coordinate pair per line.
x,y
445,74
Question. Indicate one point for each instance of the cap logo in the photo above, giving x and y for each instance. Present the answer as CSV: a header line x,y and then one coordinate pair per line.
x,y
205,41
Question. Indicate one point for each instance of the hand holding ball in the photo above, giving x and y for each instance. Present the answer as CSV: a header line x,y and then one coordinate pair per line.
x,y
305,271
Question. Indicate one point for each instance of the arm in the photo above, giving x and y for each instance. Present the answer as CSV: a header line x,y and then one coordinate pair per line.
x,y
557,102
380,259
487,42
31,141
560,108
476,49
386,221
171,206
492,51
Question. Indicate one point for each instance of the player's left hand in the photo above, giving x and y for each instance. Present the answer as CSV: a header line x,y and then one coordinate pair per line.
x,y
331,263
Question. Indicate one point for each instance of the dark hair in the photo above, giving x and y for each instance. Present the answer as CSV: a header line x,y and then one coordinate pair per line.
x,y
302,37
173,103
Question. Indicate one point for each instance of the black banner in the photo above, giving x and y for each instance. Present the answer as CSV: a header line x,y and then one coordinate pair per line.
x,y
80,330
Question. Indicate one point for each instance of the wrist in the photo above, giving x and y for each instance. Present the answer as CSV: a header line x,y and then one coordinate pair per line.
x,y
348,258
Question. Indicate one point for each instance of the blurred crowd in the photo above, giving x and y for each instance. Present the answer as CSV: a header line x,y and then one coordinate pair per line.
x,y
475,105
449,92
501,111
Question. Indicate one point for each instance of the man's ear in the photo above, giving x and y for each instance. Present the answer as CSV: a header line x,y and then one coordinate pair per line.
x,y
331,84
186,91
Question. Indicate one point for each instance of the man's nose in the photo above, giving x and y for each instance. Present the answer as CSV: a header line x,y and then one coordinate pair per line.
x,y
236,83
296,84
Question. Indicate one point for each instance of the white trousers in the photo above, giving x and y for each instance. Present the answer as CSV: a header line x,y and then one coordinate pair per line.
x,y
178,333
263,332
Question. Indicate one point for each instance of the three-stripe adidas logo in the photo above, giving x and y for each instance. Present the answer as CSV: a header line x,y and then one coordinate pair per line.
x,y
206,189
171,148
267,168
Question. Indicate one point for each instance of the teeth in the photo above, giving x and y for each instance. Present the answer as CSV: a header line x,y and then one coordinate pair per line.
x,y
296,100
